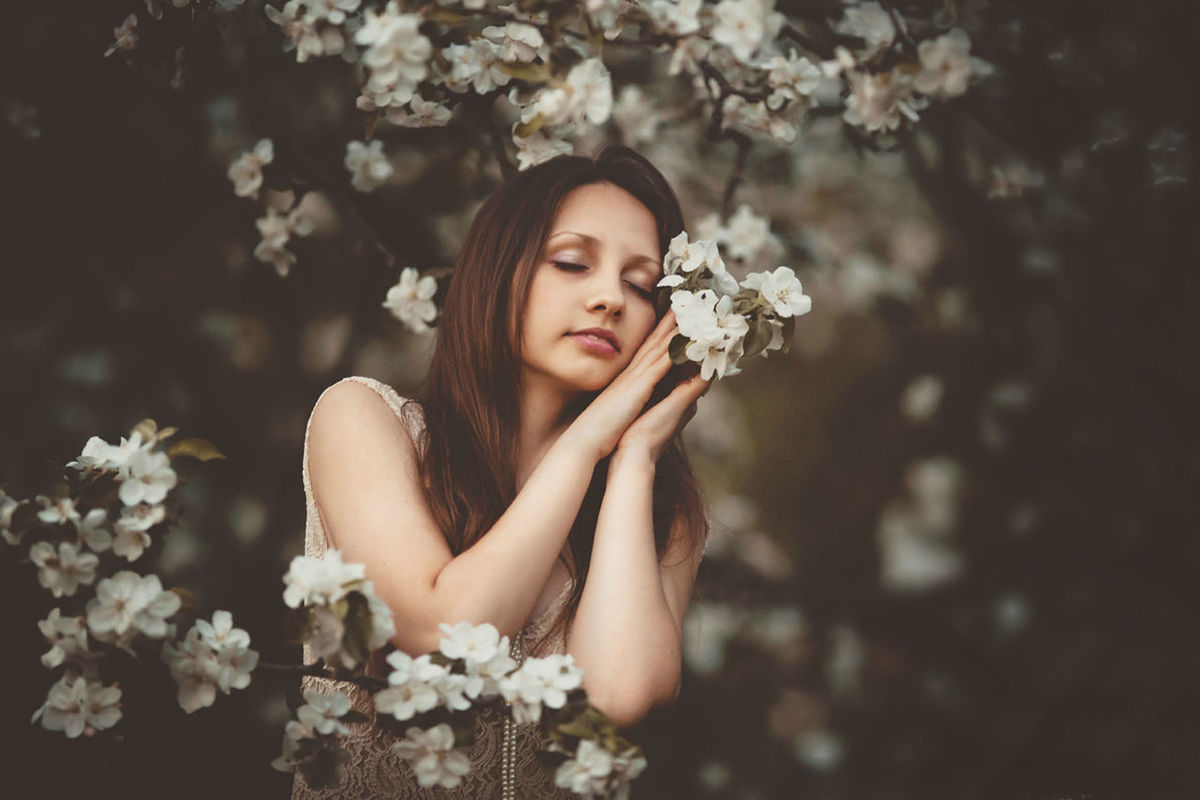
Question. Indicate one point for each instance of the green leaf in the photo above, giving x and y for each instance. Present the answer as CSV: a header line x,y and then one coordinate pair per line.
x,y
201,449
678,349
789,328
530,73
662,300
444,16
757,338
524,129
187,600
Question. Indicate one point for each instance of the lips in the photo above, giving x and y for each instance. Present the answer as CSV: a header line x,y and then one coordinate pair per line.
x,y
598,333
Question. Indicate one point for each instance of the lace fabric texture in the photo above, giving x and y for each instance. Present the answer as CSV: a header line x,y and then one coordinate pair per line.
x,y
372,769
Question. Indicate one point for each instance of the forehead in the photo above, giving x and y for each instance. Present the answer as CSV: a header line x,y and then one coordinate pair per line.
x,y
611,215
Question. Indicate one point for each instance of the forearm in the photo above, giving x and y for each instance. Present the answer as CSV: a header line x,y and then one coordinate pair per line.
x,y
498,579
624,636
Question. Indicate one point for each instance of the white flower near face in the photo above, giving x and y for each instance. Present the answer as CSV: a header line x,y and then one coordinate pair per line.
x,y
695,312
474,644
719,351
411,688
538,682
150,478
945,65
869,22
586,772
368,165
92,531
878,101
57,511
397,52
63,570
301,33
66,636
539,147
246,170
319,581
323,712
411,300
685,256
792,78
745,25
636,117
677,18
421,113
126,36
77,706
515,41
128,601
434,759
782,290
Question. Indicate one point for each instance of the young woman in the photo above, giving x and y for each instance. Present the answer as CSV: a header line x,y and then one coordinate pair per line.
x,y
540,484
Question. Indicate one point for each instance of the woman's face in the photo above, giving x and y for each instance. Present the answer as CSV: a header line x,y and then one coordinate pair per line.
x,y
597,270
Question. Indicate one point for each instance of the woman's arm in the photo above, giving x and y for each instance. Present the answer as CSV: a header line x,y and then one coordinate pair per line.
x,y
363,471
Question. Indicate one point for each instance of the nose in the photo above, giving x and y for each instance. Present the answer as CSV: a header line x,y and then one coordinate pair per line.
x,y
605,292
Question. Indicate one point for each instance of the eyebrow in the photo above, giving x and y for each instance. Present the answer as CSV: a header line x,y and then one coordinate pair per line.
x,y
593,241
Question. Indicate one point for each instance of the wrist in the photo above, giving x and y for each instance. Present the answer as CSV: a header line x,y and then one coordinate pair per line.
x,y
632,458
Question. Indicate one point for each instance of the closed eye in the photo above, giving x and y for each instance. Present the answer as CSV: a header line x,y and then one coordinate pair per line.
x,y
568,266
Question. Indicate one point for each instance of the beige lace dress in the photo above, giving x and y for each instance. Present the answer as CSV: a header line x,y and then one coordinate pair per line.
x,y
504,757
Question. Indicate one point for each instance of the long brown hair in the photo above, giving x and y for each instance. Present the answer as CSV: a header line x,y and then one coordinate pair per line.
x,y
470,400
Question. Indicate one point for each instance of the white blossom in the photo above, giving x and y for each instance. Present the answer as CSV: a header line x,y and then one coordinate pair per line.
x,y
67,637
58,510
745,25
747,235
276,228
301,32
150,478
323,712
420,113
92,532
411,688
130,602
472,643
515,41
539,147
586,94
63,570
879,101
945,65
921,398
320,581
131,528
635,115
738,112
715,330
368,165
211,656
434,759
397,52
793,78
126,36
869,22
474,65
100,455
246,170
540,682
677,18
411,300
782,290
7,506
587,771
78,706
332,11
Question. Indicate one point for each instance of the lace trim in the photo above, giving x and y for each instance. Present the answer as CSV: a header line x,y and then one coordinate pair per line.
x,y
504,756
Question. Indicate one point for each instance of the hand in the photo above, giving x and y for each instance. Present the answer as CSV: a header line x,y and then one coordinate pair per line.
x,y
649,433
599,426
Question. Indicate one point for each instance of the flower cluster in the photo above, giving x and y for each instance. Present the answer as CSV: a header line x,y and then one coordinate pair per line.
x,y
335,609
722,321
212,655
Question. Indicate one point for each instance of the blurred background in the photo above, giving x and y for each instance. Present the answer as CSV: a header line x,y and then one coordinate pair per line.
x,y
953,529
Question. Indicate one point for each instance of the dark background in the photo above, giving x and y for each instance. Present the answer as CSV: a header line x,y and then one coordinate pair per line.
x,y
129,290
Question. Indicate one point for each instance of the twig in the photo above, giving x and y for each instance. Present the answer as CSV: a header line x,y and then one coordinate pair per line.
x,y
319,670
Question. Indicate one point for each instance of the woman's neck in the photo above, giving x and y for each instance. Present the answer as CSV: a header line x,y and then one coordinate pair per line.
x,y
545,413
